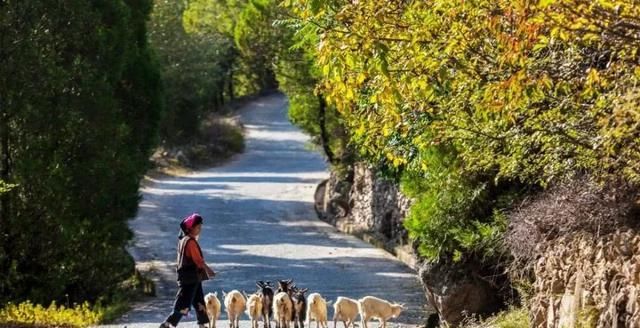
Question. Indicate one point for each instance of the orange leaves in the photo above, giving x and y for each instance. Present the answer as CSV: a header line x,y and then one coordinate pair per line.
x,y
507,83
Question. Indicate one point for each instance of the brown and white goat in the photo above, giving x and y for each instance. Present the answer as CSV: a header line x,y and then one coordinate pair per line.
x,y
317,310
373,307
345,310
213,308
234,304
254,308
282,309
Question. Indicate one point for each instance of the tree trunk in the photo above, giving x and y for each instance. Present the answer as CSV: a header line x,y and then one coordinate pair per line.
x,y
5,199
218,97
324,136
230,85
4,162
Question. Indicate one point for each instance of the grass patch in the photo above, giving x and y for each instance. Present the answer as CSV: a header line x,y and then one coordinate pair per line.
x,y
116,304
218,139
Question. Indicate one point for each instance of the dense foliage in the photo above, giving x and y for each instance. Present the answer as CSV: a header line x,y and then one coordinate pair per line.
x,y
516,92
269,49
80,103
250,41
196,70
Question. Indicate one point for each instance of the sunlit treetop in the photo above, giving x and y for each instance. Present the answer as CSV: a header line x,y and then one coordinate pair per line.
x,y
525,90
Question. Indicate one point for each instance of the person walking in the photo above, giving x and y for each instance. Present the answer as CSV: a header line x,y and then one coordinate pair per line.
x,y
192,270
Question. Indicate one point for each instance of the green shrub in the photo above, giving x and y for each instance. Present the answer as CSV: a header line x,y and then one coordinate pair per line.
x,y
453,215
217,140
30,314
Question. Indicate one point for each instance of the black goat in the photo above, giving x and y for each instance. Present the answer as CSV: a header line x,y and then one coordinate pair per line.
x,y
265,289
299,307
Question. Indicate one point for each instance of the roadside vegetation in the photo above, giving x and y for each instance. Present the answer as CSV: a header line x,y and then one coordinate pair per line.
x,y
472,107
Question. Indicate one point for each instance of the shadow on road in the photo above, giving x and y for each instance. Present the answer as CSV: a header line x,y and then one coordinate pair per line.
x,y
260,225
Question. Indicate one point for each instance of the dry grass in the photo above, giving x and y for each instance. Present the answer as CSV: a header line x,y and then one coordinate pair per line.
x,y
512,318
577,206
219,138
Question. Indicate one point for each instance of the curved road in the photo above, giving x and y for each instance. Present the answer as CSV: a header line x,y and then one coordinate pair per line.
x,y
260,225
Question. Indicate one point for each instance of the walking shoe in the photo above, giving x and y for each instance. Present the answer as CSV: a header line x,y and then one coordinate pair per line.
x,y
166,325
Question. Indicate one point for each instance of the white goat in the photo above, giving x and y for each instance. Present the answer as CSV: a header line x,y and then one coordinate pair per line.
x,y
316,310
213,308
282,309
234,304
345,310
254,308
373,307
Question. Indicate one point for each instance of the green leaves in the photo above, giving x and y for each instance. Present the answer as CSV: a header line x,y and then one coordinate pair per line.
x,y
6,187
508,86
545,3
533,92
197,69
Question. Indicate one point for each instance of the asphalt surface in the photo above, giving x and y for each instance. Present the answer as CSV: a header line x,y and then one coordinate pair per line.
x,y
260,225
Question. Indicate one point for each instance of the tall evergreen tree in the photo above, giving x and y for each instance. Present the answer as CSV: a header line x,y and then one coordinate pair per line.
x,y
79,107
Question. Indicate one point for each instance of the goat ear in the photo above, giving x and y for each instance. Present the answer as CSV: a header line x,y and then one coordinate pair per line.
x,y
289,281
215,294
304,290
245,294
223,293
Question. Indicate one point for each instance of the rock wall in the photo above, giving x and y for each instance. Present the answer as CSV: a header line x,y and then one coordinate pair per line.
x,y
458,290
588,281
374,209
368,206
578,244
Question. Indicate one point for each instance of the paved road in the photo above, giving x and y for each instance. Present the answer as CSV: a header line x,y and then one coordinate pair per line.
x,y
260,225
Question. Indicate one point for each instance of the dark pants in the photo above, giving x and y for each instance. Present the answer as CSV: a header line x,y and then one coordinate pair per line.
x,y
188,295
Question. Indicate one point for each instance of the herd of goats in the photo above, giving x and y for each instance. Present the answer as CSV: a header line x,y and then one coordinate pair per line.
x,y
289,304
